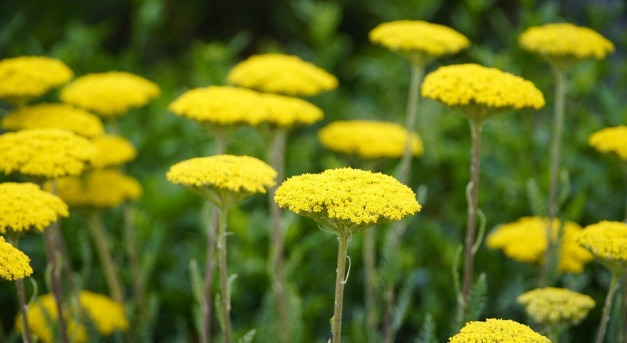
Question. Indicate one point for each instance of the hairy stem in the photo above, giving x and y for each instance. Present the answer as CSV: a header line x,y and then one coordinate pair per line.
x,y
340,281
101,241
605,317
224,276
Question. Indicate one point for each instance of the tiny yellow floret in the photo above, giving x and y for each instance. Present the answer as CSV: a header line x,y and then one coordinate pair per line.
x,y
114,150
26,77
368,139
285,111
98,188
565,40
607,241
556,306
59,116
282,74
14,264
497,331
611,140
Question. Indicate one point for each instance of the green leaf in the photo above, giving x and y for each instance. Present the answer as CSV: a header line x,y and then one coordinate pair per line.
x,y
427,333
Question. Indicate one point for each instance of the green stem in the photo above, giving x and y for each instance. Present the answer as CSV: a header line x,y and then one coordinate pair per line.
x,y
340,281
222,254
417,73
553,334
21,297
370,269
54,256
130,242
607,307
101,242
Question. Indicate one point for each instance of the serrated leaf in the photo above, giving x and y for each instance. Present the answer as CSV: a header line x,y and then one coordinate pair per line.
x,y
477,298
248,337
427,333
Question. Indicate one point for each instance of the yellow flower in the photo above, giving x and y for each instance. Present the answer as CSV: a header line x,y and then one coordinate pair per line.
x,y
283,74
59,116
607,240
556,306
45,153
497,331
479,92
42,318
368,139
99,188
14,264
611,140
223,179
114,151
220,106
565,40
418,40
25,207
106,314
31,76
287,111
110,94
525,240
347,200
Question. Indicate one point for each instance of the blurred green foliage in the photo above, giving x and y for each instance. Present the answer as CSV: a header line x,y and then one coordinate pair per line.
x,y
186,44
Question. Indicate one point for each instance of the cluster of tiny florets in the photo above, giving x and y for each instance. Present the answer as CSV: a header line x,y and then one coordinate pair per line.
x,y
565,40
59,116
607,241
114,150
98,188
285,111
611,140
27,77
14,264
497,331
556,306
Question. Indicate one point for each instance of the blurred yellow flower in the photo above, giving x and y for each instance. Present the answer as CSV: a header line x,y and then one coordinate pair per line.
x,y
282,74
14,264
98,188
106,314
497,331
611,140
59,116
25,207
607,240
525,240
28,77
46,153
287,111
479,92
347,200
368,139
114,150
418,40
110,94
556,306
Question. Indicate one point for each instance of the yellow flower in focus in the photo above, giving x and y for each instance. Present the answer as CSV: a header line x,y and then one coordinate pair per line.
x,y
14,264
285,111
347,200
25,207
99,188
497,331
525,240
114,151
223,179
418,40
607,241
110,94
58,116
368,139
611,140
220,106
282,74
478,92
46,153
556,306
31,76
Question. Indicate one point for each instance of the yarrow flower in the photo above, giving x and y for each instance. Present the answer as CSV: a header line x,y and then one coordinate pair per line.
x,y
479,92
28,77
14,264
368,139
285,111
114,151
556,306
58,116
611,140
607,241
347,200
282,74
25,207
223,179
525,240
110,94
99,188
418,40
46,153
497,331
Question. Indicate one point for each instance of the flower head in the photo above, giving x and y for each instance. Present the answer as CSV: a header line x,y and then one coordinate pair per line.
x,y
31,76
46,153
368,139
418,40
110,94
611,140
525,240
106,314
14,264
220,106
287,111
607,241
223,179
347,200
58,116
497,331
25,207
556,306
478,92
283,74
114,151
98,188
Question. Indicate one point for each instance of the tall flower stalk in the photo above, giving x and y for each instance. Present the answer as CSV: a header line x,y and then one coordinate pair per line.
x,y
17,268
